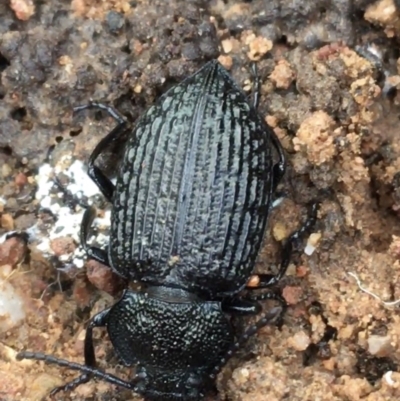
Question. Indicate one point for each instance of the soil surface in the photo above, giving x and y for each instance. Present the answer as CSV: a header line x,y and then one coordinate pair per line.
x,y
330,74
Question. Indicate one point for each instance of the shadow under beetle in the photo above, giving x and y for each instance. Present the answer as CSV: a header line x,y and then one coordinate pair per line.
x,y
189,211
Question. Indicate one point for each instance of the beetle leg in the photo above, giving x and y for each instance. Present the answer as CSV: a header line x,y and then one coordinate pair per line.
x,y
98,320
241,306
271,317
268,295
92,252
89,370
256,85
100,179
248,304
279,168
270,280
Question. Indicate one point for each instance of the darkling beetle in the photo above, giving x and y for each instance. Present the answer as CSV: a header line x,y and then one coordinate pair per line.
x,y
189,211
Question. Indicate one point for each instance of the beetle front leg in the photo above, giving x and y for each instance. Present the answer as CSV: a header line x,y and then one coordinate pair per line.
x,y
92,252
99,178
98,320
89,370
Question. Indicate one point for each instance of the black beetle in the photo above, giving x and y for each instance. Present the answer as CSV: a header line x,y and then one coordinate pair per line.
x,y
190,208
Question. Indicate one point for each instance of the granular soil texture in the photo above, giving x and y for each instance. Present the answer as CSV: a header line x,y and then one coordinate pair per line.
x,y
330,71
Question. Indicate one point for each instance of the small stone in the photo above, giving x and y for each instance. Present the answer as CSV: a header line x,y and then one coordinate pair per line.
x,y
115,21
312,243
380,346
227,45
5,271
24,9
136,46
272,121
292,294
137,89
62,246
103,278
282,75
226,61
6,170
329,364
301,271
258,45
253,281
300,341
20,179
64,60
12,251
11,306
316,137
279,232
245,373
81,291
7,221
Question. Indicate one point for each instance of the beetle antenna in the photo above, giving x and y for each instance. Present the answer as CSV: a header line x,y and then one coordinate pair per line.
x,y
49,359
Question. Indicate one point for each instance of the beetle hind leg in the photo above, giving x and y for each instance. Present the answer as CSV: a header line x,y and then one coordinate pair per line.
x,y
249,305
270,280
271,317
241,306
